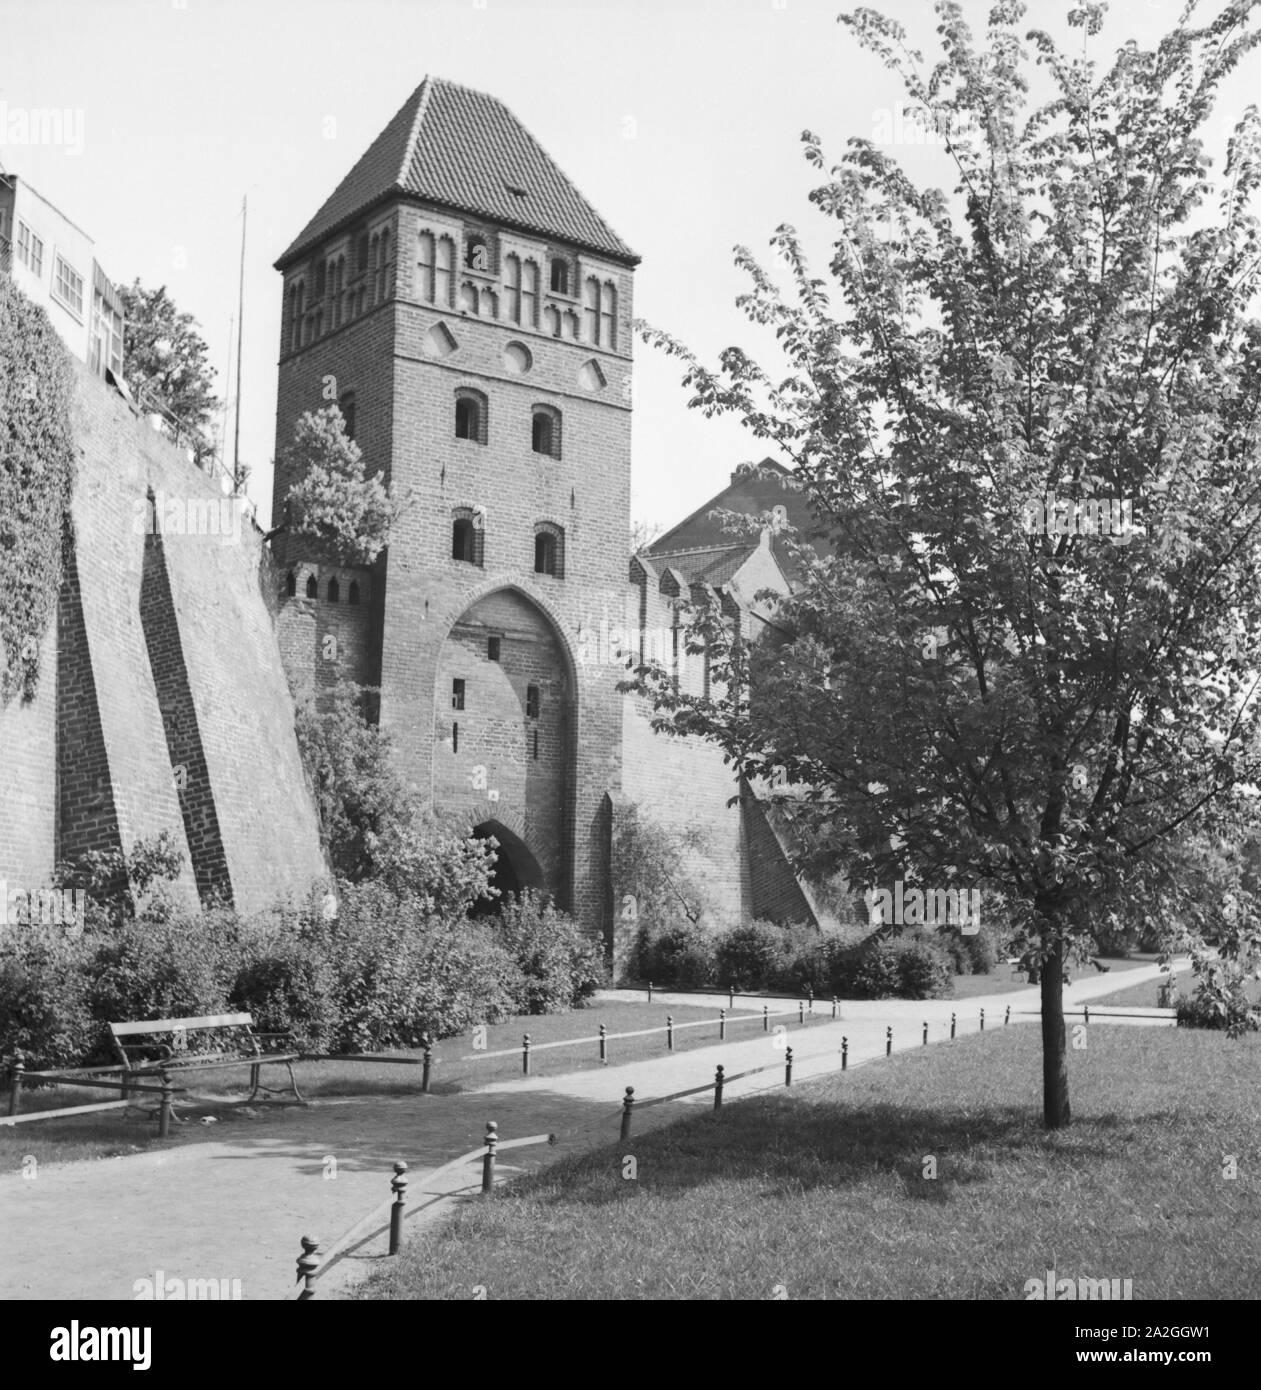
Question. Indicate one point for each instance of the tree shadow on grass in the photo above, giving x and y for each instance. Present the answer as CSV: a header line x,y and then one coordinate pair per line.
x,y
790,1149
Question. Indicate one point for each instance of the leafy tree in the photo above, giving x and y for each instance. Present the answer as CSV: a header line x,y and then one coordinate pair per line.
x,y
372,824
358,792
332,502
974,694
116,882
643,533
166,359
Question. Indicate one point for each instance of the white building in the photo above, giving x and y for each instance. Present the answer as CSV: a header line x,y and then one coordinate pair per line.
x,y
51,260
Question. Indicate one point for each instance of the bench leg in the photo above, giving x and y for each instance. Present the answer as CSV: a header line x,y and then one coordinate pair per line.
x,y
257,1089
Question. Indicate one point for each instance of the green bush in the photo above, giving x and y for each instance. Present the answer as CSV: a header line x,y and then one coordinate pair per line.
x,y
822,965
976,954
1220,1003
560,965
680,957
402,973
162,965
983,951
924,970
290,986
873,970
751,957
43,998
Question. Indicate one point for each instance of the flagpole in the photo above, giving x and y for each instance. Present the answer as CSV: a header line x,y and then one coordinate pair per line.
x,y
240,334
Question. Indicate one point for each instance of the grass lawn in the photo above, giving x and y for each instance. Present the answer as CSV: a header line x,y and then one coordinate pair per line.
x,y
1001,980
823,1190
112,1132
1145,995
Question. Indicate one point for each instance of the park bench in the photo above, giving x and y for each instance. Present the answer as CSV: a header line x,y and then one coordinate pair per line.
x,y
217,1041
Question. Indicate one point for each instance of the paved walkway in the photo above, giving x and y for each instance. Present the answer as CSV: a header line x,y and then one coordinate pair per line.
x,y
200,1210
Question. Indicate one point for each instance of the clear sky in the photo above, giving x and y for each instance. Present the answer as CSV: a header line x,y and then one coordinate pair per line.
x,y
679,119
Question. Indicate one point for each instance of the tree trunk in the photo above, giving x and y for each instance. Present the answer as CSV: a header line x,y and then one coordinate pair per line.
x,y
1055,1108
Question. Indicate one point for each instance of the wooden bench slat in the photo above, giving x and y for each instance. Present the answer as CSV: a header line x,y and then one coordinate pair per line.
x,y
197,1062
175,1025
243,1051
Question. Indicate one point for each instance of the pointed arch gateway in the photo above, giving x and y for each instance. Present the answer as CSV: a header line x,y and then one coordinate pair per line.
x,y
516,867
504,740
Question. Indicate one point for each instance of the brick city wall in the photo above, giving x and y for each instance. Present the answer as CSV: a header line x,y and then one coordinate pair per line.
x,y
203,607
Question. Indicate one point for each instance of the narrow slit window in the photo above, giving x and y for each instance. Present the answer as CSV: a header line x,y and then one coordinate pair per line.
x,y
457,693
536,745
531,702
492,648
462,540
455,737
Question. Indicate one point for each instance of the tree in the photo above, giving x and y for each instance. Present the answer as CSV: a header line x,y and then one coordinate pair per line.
x,y
996,681
358,792
166,361
642,534
332,502
373,825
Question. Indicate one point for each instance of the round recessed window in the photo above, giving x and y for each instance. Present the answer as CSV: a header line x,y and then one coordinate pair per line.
x,y
517,358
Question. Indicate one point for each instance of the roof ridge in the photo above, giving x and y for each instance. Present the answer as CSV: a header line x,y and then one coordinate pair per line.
x,y
701,549
458,147
422,106
547,155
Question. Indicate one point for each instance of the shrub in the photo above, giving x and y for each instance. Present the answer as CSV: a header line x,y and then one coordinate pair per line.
x,y
913,966
402,973
560,965
873,970
1220,1002
290,986
969,955
983,951
163,966
823,965
680,957
438,863
116,882
923,968
43,999
751,957
357,790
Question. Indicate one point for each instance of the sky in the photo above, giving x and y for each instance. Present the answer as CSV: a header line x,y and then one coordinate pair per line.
x,y
680,120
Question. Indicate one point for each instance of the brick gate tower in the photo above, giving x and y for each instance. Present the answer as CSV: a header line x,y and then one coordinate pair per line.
x,y
471,313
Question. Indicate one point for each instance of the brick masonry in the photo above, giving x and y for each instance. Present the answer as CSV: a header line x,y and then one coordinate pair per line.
x,y
409,350
94,751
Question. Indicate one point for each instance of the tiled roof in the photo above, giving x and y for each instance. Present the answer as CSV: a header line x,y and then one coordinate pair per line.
x,y
465,150
714,565
753,493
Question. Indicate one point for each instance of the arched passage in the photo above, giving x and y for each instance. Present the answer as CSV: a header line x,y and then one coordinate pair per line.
x,y
504,730
516,868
